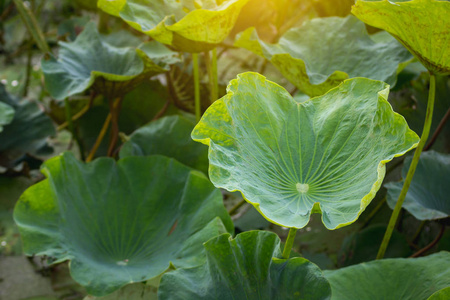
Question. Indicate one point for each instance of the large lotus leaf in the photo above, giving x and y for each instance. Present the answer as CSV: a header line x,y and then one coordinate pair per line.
x,y
189,25
428,195
247,267
6,115
90,61
289,159
27,133
395,278
169,136
325,51
423,26
121,222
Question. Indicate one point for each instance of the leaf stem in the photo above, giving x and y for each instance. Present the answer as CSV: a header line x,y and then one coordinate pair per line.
x,y
432,244
68,112
114,110
438,130
289,242
196,86
99,139
233,210
214,83
412,168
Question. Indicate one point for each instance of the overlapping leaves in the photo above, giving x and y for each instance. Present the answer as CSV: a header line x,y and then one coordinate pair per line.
x,y
189,26
169,136
423,26
90,61
326,155
26,133
120,222
325,51
246,267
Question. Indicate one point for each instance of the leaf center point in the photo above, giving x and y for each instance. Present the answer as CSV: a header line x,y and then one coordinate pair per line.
x,y
302,187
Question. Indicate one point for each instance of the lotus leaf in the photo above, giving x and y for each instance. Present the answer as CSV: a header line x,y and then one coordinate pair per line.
x,y
6,115
135,291
169,136
121,222
246,267
326,8
325,155
271,18
422,26
443,294
428,194
90,61
325,51
26,134
189,26
395,278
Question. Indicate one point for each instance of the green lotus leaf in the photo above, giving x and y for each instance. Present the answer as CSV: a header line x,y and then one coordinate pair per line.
x,y
26,134
6,115
189,25
428,194
443,294
135,291
271,18
169,136
325,51
289,159
121,222
420,25
395,278
246,267
91,62
326,8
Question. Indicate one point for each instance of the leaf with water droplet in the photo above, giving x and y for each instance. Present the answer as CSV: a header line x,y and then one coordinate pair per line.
x,y
291,159
115,221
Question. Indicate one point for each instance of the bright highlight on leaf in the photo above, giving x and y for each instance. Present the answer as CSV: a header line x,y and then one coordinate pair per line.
x,y
323,52
429,193
188,26
169,136
422,26
291,159
396,278
121,222
90,61
246,267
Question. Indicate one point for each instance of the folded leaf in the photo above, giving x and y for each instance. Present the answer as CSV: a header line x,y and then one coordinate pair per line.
x,y
422,26
91,62
325,51
289,159
189,26
121,222
246,267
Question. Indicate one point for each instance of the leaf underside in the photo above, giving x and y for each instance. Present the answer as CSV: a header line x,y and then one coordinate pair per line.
x,y
422,26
